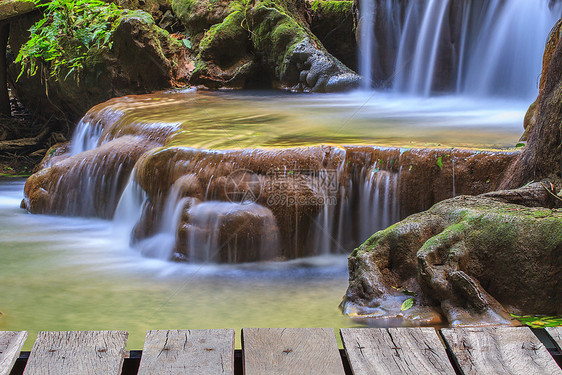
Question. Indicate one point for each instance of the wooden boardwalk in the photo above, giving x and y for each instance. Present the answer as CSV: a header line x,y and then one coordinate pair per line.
x,y
479,350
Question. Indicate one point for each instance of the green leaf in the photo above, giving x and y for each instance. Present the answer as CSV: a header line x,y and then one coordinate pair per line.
x,y
440,162
519,145
407,304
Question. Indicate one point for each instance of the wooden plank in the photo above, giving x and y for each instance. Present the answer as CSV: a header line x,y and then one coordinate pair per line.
x,y
395,351
291,351
71,353
499,350
10,347
204,351
556,334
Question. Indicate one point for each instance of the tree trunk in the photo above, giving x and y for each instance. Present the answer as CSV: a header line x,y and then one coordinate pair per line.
x,y
542,157
4,98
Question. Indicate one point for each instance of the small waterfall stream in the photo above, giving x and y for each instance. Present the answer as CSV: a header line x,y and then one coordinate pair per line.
x,y
480,48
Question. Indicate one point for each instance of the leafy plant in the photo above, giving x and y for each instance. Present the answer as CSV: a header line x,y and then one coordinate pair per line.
x,y
440,162
70,34
539,321
407,304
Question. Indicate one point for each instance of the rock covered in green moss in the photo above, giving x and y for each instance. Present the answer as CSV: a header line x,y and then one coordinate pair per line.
x,y
472,258
332,22
267,41
225,55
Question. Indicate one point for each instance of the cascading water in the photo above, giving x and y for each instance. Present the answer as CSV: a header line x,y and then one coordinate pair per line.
x,y
472,47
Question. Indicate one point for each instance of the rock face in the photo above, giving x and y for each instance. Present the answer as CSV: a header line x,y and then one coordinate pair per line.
x,y
469,257
542,157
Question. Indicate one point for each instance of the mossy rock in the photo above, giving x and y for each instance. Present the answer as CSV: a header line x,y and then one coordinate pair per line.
x,y
199,15
244,40
332,22
226,41
474,258
294,54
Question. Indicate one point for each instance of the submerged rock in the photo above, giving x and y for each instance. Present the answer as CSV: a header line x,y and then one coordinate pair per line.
x,y
471,258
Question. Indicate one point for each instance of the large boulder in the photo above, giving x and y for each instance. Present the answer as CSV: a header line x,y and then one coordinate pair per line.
x,y
294,55
474,259
267,44
332,22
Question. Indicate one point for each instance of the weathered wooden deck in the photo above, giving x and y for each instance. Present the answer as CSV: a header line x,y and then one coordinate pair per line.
x,y
491,350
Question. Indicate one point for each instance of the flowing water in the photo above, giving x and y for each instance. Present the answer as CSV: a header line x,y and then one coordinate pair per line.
x,y
82,274
78,274
479,48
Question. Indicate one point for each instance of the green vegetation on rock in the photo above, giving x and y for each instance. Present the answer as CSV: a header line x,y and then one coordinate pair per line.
x,y
340,8
71,34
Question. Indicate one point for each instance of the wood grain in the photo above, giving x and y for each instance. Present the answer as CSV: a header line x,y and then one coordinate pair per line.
x,y
395,351
556,334
194,352
291,351
499,350
72,353
10,347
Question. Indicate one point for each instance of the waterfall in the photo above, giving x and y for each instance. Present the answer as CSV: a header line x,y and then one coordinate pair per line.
x,y
472,47
86,136
369,202
366,40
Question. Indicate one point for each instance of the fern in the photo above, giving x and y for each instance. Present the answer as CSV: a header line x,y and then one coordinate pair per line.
x,y
71,34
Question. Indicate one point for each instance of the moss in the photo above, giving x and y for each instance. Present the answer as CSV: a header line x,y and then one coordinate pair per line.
x,y
332,8
228,29
275,33
137,14
541,214
199,15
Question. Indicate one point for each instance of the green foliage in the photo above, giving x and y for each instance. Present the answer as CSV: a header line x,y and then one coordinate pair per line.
x,y
539,321
407,304
440,162
333,8
71,34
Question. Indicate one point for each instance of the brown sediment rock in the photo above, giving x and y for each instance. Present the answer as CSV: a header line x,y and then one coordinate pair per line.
x,y
428,176
87,184
293,200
